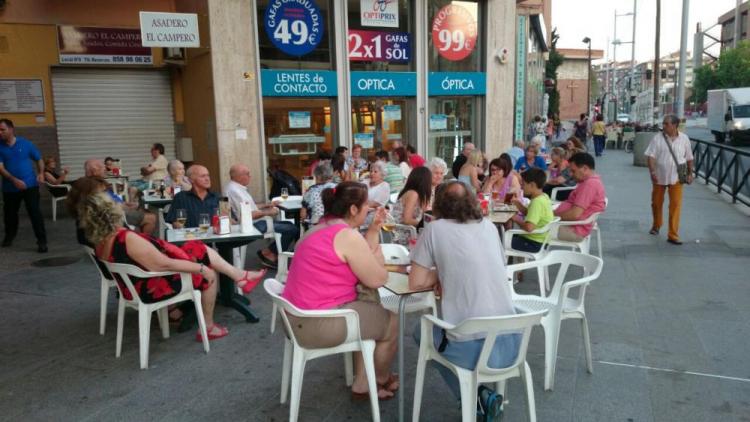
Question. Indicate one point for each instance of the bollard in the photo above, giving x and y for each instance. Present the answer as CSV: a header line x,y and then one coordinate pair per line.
x,y
640,143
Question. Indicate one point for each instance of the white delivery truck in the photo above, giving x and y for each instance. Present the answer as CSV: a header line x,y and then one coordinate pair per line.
x,y
729,114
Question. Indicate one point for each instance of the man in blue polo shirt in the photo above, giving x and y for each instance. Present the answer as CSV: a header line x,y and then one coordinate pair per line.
x,y
197,201
20,183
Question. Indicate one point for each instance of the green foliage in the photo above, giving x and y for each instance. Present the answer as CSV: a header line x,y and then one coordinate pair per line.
x,y
550,72
732,70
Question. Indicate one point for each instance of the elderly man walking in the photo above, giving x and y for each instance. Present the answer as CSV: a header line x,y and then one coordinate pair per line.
x,y
666,152
20,183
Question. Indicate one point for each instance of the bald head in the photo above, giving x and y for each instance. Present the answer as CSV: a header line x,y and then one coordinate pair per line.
x,y
199,177
94,167
468,148
240,173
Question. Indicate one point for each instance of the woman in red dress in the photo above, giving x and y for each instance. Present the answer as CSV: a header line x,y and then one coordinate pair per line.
x,y
101,220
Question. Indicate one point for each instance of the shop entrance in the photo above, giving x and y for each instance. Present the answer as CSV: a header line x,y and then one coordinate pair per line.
x,y
378,123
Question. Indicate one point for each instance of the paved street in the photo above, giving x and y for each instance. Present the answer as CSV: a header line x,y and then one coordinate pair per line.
x,y
669,325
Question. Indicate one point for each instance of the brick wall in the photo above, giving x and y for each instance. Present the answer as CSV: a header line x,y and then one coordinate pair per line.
x,y
570,109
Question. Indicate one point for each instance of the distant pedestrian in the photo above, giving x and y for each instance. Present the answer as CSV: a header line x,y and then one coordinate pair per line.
x,y
665,153
20,183
599,132
581,128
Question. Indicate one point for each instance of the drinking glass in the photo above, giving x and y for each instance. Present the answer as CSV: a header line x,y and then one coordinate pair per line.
x,y
389,223
181,215
204,221
284,193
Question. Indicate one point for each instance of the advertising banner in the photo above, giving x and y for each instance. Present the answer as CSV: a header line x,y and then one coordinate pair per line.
x,y
298,83
457,83
379,46
383,13
294,26
169,29
454,32
90,45
383,84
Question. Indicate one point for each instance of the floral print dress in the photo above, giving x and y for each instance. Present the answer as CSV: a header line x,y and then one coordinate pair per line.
x,y
157,289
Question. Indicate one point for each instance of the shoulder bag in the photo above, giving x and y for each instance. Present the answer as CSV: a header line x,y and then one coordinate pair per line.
x,y
682,169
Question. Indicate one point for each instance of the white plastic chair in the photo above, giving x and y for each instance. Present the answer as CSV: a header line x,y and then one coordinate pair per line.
x,y
296,356
393,198
611,138
531,256
596,229
584,245
107,282
469,380
281,273
187,292
398,255
560,303
58,199
627,139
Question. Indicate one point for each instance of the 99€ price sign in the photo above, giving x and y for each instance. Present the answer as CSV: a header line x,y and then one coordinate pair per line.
x,y
454,32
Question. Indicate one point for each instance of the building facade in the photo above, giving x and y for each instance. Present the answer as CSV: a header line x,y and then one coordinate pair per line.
x,y
272,83
726,21
572,81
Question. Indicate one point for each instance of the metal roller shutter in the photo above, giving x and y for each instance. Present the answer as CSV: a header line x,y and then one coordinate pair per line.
x,y
112,112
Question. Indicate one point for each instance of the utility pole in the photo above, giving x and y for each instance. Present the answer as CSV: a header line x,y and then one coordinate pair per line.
x,y
615,92
631,83
657,71
683,60
605,106
737,24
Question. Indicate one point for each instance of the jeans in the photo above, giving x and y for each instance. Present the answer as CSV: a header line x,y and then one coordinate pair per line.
x,y
466,353
11,205
599,144
288,231
524,244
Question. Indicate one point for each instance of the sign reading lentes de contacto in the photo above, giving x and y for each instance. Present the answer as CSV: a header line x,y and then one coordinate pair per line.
x,y
169,29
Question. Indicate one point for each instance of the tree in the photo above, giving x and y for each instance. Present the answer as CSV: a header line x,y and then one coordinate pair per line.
x,y
732,70
550,72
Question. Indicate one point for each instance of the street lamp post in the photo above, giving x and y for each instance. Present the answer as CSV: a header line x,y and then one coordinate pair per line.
x,y
587,40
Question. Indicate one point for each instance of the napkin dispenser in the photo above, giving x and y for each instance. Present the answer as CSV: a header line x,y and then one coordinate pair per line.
x,y
246,218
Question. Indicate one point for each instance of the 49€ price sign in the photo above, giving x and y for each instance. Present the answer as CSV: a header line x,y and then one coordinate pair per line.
x,y
454,32
294,26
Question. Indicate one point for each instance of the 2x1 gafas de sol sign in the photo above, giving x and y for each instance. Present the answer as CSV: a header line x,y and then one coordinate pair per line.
x,y
378,46
454,32
294,26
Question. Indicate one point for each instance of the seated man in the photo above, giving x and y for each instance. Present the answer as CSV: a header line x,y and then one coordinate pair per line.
x,y
143,220
199,200
157,169
538,213
587,198
236,191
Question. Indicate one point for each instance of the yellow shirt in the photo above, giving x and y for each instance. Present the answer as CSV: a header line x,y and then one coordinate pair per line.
x,y
599,129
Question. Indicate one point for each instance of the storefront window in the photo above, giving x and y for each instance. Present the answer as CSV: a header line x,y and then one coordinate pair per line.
x,y
457,84
381,43
296,45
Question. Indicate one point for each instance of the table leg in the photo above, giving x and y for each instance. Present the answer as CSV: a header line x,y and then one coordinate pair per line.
x,y
227,292
401,324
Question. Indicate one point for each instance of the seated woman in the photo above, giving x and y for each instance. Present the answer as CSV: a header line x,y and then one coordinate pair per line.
x,y
101,219
55,177
438,168
530,159
470,171
460,253
401,159
176,177
559,174
329,262
412,201
340,173
312,201
378,190
502,180
574,145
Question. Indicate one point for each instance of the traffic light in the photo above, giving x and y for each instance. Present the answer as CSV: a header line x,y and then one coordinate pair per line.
x,y
663,74
632,99
649,74
597,109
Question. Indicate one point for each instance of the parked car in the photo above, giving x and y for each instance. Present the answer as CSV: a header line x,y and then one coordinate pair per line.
x,y
623,117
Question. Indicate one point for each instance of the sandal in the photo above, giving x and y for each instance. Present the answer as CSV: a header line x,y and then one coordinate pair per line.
x,y
391,384
173,319
211,335
251,283
366,396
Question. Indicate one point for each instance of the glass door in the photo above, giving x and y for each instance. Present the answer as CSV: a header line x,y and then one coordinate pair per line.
x,y
452,123
380,123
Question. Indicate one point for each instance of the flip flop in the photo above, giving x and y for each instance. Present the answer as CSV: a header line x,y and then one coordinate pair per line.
x,y
251,283
223,332
366,396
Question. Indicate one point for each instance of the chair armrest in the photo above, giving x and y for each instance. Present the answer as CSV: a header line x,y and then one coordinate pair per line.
x,y
514,268
432,320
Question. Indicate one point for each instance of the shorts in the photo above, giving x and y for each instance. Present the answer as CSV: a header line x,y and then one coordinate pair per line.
x,y
330,332
134,217
566,233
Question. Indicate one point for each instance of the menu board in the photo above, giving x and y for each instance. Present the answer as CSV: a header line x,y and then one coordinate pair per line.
x,y
21,96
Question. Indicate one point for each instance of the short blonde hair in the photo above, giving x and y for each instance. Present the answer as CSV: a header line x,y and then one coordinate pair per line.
x,y
476,158
100,217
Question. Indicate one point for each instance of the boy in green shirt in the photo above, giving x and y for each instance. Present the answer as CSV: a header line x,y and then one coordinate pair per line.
x,y
538,214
